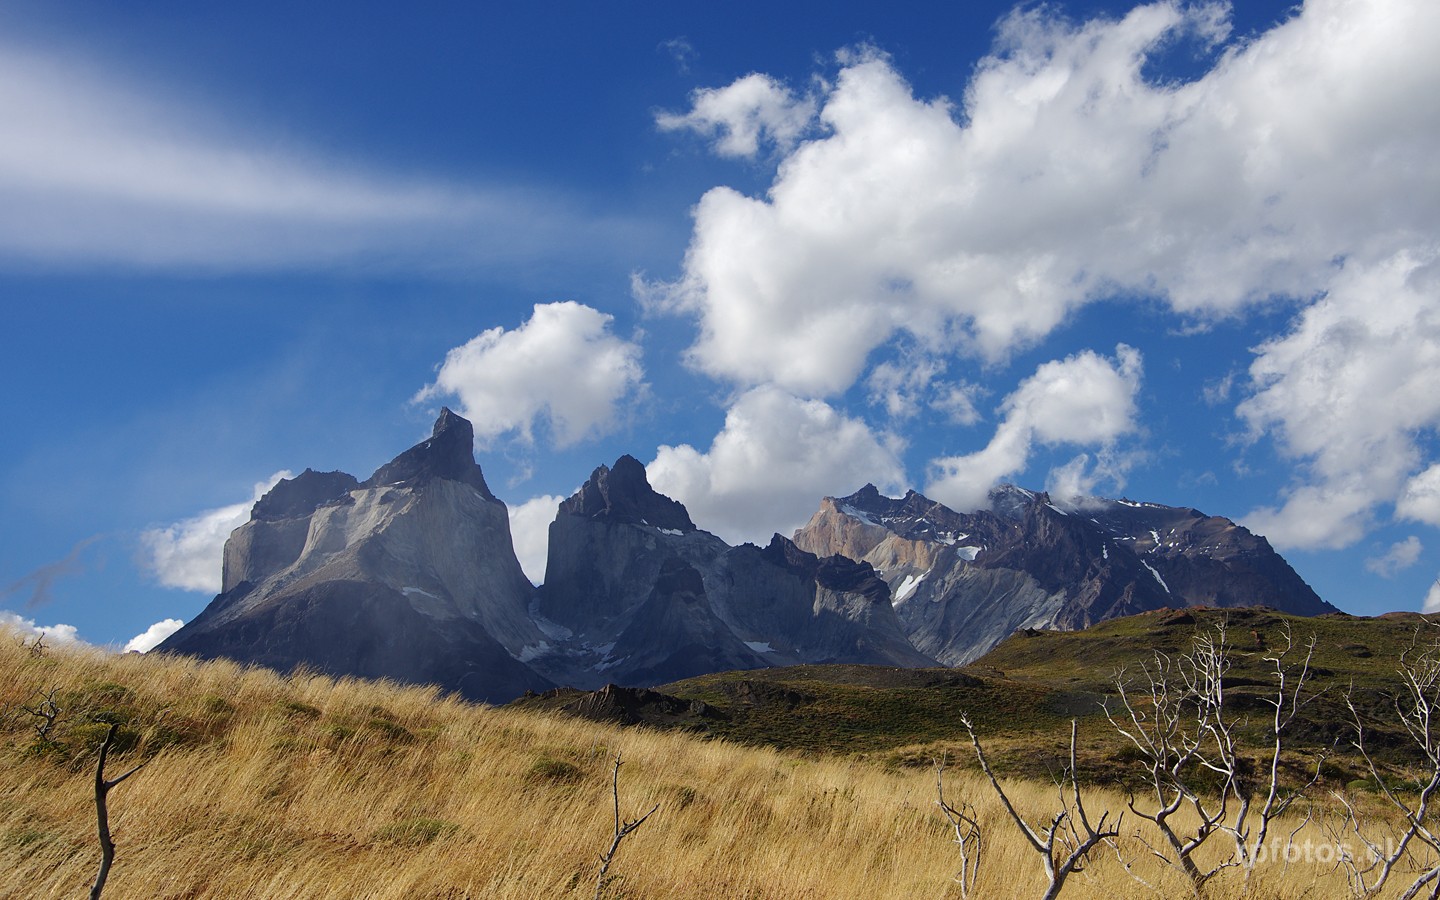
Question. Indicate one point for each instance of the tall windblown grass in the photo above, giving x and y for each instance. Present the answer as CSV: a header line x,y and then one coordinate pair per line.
x,y
268,787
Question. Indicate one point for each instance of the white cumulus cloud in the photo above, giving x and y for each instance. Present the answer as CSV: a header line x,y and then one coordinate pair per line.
x,y
1420,501
189,554
53,634
1431,603
742,115
1289,167
1347,393
1084,400
530,533
151,637
563,366
766,470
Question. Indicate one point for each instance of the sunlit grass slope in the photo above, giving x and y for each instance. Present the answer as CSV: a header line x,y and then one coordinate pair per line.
x,y
261,786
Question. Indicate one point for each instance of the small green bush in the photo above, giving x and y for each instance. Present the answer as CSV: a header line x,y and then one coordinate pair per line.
x,y
414,832
296,709
391,731
555,771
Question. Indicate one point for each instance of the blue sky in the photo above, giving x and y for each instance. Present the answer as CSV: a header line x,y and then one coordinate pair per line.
x,y
1176,252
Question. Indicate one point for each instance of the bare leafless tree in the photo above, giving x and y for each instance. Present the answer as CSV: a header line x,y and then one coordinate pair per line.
x,y
1191,750
623,830
102,811
967,832
1249,827
1064,842
45,712
1417,708
35,647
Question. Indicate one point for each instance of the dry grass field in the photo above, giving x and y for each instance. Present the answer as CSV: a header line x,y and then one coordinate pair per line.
x,y
267,787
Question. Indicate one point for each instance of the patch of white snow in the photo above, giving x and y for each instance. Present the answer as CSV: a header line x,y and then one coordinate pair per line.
x,y
552,630
1157,575
968,553
908,586
760,646
854,513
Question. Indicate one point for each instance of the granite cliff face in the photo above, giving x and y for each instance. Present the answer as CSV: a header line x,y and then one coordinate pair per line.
x,y
962,583
409,575
634,593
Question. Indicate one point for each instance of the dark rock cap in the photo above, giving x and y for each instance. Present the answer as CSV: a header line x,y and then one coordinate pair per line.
x,y
300,496
622,493
449,454
782,552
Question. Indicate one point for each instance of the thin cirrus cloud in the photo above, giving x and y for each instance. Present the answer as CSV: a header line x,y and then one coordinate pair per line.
x,y
98,168
1288,169
562,367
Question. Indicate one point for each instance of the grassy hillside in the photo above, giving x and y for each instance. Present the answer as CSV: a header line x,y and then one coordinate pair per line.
x,y
261,786
1023,694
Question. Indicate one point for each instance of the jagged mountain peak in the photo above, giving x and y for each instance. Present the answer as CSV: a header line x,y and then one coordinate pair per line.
x,y
449,454
963,581
300,496
782,551
1010,501
622,493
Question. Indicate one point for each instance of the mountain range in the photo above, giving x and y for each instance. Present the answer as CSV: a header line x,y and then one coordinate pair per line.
x,y
411,575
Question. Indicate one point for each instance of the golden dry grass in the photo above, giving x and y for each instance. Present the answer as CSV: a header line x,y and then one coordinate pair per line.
x,y
265,787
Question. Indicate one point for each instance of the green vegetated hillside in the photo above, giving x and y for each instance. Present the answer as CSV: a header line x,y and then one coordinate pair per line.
x,y
1022,694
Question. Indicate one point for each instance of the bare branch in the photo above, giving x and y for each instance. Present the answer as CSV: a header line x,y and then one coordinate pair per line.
x,y
47,711
1178,721
622,830
967,832
1069,837
1415,707
102,811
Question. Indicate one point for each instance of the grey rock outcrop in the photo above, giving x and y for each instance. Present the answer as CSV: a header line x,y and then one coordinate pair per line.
x,y
635,594
961,583
409,575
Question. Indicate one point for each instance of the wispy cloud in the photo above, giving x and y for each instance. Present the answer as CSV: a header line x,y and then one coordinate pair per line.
x,y
40,582
100,168
681,51
1401,556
